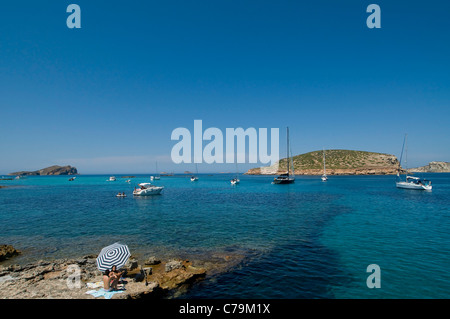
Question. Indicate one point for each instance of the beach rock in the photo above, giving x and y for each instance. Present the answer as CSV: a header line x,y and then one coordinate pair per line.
x,y
178,277
173,264
7,251
152,261
132,264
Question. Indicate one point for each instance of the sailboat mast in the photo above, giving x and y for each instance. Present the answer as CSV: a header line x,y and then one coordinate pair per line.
x,y
287,158
406,153
324,172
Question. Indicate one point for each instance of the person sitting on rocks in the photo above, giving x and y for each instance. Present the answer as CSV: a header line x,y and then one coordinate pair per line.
x,y
114,277
106,280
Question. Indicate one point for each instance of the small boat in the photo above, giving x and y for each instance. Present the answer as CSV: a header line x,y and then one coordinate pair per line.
x,y
112,179
410,182
121,195
146,189
324,176
413,182
157,177
235,180
286,178
128,181
194,178
72,178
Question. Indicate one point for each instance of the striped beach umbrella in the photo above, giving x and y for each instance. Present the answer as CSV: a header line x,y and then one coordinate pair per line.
x,y
113,255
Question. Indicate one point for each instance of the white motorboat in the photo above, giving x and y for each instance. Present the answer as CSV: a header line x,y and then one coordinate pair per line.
x,y
112,179
146,189
410,182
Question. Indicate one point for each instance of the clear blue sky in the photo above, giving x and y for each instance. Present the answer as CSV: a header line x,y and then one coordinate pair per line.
x,y
105,98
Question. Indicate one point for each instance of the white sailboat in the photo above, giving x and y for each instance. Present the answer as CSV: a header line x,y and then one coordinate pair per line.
x,y
157,176
324,176
286,178
194,178
410,182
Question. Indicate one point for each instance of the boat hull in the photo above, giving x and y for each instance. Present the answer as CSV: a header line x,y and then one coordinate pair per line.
x,y
148,191
283,181
407,185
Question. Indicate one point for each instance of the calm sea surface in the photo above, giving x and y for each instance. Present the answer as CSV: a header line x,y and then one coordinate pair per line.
x,y
306,240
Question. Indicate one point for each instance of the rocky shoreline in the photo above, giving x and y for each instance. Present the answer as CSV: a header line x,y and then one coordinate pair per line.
x,y
73,278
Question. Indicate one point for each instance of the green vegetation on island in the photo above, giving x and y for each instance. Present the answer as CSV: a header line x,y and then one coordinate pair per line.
x,y
338,162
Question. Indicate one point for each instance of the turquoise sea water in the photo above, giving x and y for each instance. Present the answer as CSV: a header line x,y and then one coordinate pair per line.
x,y
306,240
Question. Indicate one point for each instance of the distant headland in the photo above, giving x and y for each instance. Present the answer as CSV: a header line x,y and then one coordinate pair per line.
x,y
52,170
433,167
338,162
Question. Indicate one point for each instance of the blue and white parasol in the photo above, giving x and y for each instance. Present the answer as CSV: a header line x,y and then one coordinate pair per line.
x,y
113,255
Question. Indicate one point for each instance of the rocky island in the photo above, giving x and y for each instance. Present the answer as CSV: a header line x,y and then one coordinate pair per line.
x,y
338,162
52,170
433,167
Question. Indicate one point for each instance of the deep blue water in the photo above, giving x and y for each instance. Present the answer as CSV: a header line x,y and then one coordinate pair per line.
x,y
306,240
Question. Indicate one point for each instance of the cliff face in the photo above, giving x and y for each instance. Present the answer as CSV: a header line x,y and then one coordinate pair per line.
x,y
338,162
433,167
52,170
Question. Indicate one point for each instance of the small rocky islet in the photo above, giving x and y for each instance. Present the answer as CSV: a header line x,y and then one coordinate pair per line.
x,y
51,170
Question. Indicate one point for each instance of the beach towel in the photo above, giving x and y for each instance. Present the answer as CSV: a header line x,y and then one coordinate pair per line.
x,y
93,285
103,293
